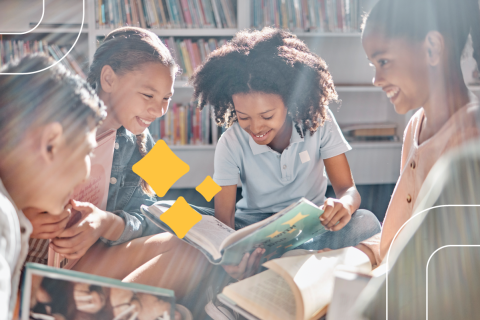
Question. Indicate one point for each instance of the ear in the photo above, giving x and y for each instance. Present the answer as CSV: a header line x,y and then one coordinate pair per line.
x,y
108,79
435,47
51,139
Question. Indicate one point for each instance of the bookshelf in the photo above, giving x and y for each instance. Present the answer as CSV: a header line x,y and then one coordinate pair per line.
x,y
371,162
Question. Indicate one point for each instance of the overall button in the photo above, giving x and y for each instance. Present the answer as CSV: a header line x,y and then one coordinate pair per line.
x,y
117,146
113,180
413,164
409,198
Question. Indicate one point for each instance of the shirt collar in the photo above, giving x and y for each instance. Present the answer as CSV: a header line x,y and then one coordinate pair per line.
x,y
258,149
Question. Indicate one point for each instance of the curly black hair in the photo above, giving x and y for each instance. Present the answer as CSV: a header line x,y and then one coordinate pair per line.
x,y
270,61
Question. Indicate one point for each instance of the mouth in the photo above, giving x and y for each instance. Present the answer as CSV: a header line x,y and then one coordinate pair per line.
x,y
262,136
144,122
392,93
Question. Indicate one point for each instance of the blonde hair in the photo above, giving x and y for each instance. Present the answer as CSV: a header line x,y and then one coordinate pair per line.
x,y
53,95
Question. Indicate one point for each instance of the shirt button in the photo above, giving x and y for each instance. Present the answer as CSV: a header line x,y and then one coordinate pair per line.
x,y
22,229
413,164
409,198
284,166
278,156
113,180
117,146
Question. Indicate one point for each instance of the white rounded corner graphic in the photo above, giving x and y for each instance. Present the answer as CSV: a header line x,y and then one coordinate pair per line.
x,y
41,19
58,61
394,238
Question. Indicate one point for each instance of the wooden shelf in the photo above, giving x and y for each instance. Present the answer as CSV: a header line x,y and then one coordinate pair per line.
x,y
48,30
328,34
183,84
213,32
193,147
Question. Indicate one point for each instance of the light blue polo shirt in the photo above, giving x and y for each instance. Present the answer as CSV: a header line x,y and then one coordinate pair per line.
x,y
272,181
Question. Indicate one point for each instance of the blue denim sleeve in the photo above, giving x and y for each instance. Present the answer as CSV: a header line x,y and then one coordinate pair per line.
x,y
136,224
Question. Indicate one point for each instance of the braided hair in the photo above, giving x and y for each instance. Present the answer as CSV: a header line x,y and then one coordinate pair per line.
x,y
125,49
269,61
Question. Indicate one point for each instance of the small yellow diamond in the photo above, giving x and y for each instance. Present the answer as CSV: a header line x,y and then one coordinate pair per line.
x,y
160,168
208,188
181,217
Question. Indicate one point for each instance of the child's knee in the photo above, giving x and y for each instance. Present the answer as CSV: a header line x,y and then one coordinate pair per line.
x,y
367,222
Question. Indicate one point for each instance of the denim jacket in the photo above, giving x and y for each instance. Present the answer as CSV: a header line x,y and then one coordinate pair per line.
x,y
125,195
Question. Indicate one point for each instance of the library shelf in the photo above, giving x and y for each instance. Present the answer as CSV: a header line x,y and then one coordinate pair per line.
x,y
200,32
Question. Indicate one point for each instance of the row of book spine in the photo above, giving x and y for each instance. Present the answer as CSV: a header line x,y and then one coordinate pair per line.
x,y
166,13
307,15
16,49
191,53
185,125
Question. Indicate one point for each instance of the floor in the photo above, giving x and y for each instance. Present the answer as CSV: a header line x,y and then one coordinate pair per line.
x,y
374,197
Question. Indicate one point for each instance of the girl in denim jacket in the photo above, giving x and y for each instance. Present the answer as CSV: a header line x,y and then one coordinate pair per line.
x,y
133,73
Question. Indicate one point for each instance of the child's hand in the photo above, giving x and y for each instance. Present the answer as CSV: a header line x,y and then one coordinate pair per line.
x,y
74,241
45,225
247,267
86,300
334,212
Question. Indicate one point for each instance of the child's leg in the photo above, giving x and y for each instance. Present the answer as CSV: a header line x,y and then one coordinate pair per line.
x,y
362,226
160,260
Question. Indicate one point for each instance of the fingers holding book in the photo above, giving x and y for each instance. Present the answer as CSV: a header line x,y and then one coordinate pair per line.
x,y
247,267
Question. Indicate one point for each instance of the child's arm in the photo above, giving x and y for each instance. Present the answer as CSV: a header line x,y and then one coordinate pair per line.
x,y
348,199
225,205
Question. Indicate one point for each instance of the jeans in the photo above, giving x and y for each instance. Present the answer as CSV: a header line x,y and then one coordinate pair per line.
x,y
362,226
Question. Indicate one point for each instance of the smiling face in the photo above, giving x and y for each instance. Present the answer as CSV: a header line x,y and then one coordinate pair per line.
x,y
135,99
262,115
401,69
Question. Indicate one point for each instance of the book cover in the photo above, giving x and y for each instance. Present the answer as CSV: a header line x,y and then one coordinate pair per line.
x,y
278,234
49,293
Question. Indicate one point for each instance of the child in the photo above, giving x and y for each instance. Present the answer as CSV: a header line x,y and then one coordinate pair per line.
x,y
416,47
272,93
133,73
48,122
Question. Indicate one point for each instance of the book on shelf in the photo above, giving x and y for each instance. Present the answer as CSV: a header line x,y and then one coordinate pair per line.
x,y
93,190
298,287
370,131
16,49
277,234
185,125
307,15
191,53
156,14
50,293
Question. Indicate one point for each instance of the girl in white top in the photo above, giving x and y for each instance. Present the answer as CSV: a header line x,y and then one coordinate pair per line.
x,y
48,122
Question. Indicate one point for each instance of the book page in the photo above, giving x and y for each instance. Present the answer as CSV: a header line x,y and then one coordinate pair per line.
x,y
266,295
313,274
209,233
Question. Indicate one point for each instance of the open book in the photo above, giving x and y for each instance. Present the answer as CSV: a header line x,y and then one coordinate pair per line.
x,y
93,190
51,293
294,288
277,234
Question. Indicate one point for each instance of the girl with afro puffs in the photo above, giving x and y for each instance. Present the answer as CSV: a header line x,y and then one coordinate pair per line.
x,y
273,94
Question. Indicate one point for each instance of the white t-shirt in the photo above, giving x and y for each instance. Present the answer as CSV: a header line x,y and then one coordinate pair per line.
x,y
272,181
15,229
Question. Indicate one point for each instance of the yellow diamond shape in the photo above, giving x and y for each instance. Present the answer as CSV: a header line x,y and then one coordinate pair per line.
x,y
160,168
208,188
181,217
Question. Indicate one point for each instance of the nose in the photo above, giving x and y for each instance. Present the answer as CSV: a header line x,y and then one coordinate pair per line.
x,y
256,126
159,110
378,79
